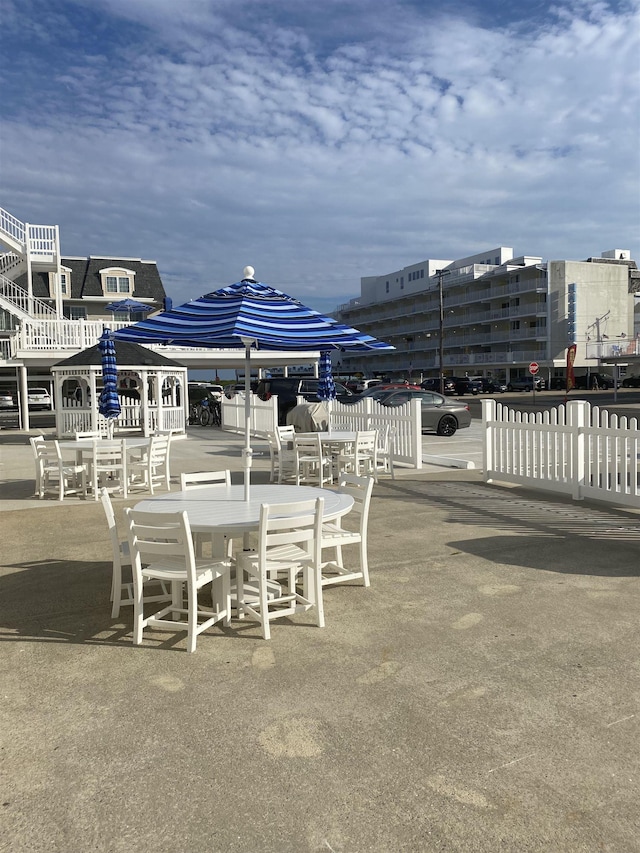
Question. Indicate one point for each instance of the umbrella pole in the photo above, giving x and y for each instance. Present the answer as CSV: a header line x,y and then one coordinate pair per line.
x,y
247,452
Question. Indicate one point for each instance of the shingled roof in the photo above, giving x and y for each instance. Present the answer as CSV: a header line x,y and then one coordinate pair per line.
x,y
127,355
85,278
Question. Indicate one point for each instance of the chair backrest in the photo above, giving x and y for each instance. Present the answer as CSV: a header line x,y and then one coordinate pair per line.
x,y
205,478
360,489
154,536
87,434
298,523
285,434
108,454
159,449
111,522
308,445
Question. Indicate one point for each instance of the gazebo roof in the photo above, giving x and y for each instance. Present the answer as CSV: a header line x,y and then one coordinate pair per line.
x,y
127,356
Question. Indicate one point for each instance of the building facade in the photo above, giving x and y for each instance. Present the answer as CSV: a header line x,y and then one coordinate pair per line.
x,y
493,314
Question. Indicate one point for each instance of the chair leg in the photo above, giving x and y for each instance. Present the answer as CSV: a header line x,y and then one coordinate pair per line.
x,y
192,630
364,563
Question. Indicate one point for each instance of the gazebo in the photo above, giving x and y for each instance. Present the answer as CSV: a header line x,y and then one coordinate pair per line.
x,y
152,391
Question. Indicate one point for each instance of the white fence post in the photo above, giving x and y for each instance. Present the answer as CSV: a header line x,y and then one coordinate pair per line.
x,y
488,417
576,415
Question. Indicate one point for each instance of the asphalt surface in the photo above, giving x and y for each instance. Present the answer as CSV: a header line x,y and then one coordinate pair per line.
x,y
481,695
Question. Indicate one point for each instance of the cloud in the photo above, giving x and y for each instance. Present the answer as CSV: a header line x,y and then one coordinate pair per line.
x,y
209,135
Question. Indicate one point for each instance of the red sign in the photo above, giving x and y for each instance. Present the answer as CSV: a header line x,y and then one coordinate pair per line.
x,y
571,356
533,368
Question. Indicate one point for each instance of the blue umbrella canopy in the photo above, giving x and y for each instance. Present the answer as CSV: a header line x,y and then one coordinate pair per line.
x,y
248,311
128,305
248,314
109,403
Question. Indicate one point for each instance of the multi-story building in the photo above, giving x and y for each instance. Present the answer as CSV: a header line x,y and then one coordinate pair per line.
x,y
52,307
494,314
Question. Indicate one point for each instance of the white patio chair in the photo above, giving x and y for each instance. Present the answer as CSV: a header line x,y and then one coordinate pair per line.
x,y
108,467
313,465
288,546
161,549
221,545
283,458
152,470
383,463
78,435
55,474
122,590
335,536
360,459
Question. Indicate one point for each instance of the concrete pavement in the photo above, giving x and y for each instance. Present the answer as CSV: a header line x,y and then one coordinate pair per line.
x,y
481,695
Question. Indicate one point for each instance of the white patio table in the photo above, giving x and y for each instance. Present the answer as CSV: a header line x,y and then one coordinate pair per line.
x,y
223,509
215,509
83,449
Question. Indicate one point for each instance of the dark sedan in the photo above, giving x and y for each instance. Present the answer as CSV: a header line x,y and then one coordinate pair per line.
x,y
438,414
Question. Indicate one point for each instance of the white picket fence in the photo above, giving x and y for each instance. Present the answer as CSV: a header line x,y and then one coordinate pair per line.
x,y
575,449
406,421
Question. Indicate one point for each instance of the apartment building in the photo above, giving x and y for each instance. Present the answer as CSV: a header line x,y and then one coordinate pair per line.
x,y
493,313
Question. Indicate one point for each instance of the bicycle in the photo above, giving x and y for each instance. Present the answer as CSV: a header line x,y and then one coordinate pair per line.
x,y
209,412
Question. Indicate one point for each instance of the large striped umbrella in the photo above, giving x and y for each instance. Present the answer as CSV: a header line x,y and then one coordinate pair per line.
x,y
109,403
252,315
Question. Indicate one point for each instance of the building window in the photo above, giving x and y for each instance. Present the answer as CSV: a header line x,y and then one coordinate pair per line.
x,y
75,312
401,282
497,262
117,280
118,284
63,283
386,287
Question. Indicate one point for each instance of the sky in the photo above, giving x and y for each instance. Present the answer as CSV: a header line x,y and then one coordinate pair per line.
x,y
321,142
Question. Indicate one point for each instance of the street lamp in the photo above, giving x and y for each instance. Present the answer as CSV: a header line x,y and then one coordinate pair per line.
x,y
441,274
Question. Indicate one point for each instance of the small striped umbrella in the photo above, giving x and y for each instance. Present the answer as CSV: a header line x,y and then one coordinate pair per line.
x,y
109,403
326,385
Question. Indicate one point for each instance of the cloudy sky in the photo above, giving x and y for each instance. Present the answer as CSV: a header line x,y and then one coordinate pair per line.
x,y
321,141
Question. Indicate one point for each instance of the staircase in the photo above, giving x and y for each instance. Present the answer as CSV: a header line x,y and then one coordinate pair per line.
x,y
32,248
16,301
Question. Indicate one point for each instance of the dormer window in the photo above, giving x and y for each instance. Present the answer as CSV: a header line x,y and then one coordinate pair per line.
x,y
65,283
117,280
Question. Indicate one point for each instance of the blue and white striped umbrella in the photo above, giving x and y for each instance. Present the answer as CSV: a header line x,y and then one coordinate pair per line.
x,y
248,314
109,403
326,385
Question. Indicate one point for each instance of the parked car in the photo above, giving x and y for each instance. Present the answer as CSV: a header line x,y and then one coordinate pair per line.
x,y
461,385
438,414
6,399
631,382
594,381
200,390
526,383
289,388
492,386
38,398
357,386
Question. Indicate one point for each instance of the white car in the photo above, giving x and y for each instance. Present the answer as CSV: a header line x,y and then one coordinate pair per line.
x,y
38,398
6,399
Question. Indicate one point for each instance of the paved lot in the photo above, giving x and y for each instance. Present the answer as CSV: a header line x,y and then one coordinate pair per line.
x,y
481,695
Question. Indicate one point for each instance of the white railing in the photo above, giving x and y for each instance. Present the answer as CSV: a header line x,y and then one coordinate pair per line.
x,y
11,226
62,334
577,450
74,416
5,349
19,298
405,421
10,261
263,417
613,349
